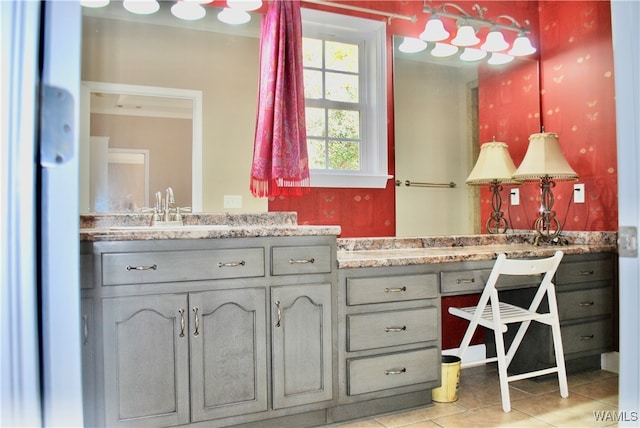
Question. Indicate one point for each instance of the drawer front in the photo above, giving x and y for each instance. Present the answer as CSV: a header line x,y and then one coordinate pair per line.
x,y
392,370
594,270
588,336
301,260
387,289
377,330
473,281
170,266
585,303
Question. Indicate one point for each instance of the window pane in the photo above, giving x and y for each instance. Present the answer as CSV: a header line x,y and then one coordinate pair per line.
x,y
344,155
315,122
342,87
311,52
342,56
317,154
344,124
312,84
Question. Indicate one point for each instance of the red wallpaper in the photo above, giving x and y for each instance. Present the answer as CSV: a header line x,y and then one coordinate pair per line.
x,y
576,67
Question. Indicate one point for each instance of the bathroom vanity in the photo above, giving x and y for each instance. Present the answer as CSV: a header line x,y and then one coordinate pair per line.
x,y
239,320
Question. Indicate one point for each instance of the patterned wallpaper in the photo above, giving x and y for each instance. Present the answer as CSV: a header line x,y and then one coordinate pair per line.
x,y
576,73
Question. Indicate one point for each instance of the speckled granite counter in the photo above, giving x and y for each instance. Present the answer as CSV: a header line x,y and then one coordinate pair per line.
x,y
134,227
377,252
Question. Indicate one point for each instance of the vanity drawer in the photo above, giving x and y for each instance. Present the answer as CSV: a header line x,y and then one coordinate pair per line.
x,y
589,336
473,281
170,266
300,260
392,370
585,303
587,271
385,289
377,330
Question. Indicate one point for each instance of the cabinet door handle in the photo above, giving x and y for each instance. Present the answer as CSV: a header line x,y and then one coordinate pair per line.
x,y
586,272
395,329
231,264
182,324
395,290
591,303
465,280
152,267
277,303
588,337
395,371
302,261
85,329
196,322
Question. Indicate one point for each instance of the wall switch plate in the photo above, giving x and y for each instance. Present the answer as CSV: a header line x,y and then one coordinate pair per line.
x,y
232,201
578,193
515,196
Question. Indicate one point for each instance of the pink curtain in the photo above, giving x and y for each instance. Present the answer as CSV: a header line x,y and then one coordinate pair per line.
x,y
280,162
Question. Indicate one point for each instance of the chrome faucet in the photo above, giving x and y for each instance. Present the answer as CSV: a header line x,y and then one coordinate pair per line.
x,y
168,202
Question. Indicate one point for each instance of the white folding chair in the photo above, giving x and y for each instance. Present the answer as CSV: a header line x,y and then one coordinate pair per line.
x,y
496,315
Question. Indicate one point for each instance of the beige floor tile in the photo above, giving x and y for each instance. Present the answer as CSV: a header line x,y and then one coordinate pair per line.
x,y
364,423
605,390
483,390
419,415
491,416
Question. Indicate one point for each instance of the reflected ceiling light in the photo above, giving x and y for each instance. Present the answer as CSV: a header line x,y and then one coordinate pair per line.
x,y
189,10
498,58
141,7
412,45
521,46
246,5
495,42
434,31
234,16
94,3
466,36
473,54
443,50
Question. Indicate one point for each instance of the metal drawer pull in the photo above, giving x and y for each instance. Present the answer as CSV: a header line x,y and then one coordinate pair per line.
x,y
196,322
85,330
395,290
586,272
395,371
231,264
466,280
152,267
302,261
591,303
589,337
277,303
395,329
182,325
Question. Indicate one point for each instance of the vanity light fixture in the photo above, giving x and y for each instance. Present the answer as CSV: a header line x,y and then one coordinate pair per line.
x,y
544,162
466,36
412,45
434,30
494,42
498,58
141,7
189,10
473,54
442,50
521,46
494,166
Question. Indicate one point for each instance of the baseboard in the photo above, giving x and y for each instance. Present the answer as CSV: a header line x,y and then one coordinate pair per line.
x,y
474,354
610,362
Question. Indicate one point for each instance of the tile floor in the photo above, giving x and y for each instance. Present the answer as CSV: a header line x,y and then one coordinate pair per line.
x,y
533,404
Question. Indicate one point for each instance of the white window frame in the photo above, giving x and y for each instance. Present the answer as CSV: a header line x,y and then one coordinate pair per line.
x,y
371,36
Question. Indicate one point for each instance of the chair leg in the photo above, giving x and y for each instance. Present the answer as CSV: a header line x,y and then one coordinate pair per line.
x,y
559,351
502,370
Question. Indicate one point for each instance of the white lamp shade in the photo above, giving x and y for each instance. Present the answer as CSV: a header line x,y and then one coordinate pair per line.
x,y
234,16
94,3
498,58
189,10
544,158
495,42
466,36
472,54
412,45
521,46
494,164
442,50
141,7
246,5
434,31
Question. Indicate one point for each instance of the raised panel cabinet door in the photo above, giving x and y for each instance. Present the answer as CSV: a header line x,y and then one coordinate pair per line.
x,y
88,338
228,353
146,360
301,344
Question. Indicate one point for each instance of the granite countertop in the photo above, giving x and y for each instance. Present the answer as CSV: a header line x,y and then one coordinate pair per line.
x,y
135,227
378,252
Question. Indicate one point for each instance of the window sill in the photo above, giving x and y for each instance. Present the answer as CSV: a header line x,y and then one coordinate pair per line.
x,y
372,181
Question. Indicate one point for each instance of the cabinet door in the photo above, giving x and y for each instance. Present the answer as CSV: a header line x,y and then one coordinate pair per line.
x,y
301,344
146,360
228,353
88,337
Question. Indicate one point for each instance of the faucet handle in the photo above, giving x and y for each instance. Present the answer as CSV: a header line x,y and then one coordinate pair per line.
x,y
178,216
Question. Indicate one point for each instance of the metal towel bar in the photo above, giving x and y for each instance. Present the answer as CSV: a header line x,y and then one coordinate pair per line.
x,y
409,183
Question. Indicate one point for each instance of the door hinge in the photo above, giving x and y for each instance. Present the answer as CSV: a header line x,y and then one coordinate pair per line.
x,y
57,145
628,241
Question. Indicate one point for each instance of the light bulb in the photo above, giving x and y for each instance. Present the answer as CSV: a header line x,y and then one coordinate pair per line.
x,y
434,31
466,36
495,42
412,45
521,46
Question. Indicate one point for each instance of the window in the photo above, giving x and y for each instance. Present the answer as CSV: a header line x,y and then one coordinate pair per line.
x,y
345,96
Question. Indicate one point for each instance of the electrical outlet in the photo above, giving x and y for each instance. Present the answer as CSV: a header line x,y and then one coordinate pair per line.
x,y
232,201
578,193
515,196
